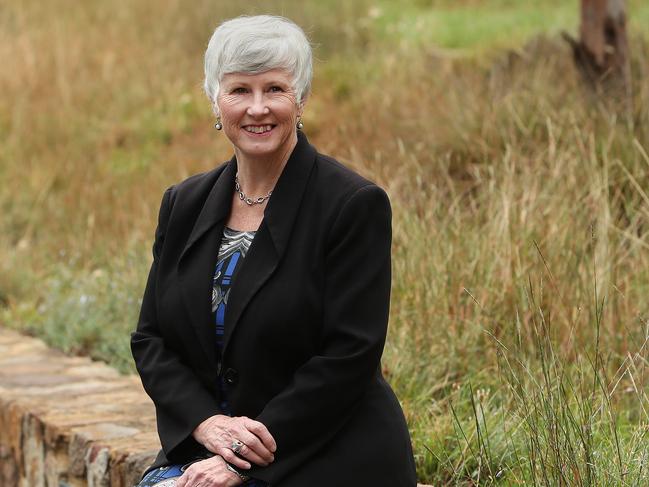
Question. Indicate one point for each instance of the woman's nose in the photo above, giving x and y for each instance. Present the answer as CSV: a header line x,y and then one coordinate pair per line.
x,y
258,106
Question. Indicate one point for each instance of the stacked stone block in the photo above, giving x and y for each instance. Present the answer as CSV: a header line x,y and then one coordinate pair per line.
x,y
69,421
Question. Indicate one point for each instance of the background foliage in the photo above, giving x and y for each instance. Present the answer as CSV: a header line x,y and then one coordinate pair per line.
x,y
518,335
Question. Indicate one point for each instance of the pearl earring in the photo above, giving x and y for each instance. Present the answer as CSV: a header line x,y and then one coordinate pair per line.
x,y
300,125
218,125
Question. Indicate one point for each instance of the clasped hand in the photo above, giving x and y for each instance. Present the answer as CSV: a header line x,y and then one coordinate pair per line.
x,y
220,434
209,473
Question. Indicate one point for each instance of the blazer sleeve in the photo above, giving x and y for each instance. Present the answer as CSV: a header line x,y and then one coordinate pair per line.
x,y
181,401
324,390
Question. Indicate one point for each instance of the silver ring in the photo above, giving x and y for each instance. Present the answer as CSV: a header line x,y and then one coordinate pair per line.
x,y
236,446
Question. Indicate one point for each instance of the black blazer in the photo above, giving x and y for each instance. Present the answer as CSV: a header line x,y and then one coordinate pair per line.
x,y
305,325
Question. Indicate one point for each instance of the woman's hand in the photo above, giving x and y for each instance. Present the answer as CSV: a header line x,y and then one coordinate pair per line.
x,y
209,473
236,439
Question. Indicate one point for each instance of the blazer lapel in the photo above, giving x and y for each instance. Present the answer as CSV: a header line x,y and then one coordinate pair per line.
x,y
272,237
198,259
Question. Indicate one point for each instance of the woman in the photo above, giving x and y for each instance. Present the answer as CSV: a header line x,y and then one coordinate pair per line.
x,y
278,382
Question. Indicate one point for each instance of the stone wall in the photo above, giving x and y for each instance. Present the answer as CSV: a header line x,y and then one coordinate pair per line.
x,y
69,421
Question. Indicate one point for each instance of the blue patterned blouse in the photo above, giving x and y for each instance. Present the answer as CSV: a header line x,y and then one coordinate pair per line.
x,y
234,247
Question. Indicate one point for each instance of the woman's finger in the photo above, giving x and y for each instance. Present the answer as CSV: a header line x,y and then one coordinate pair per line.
x,y
229,456
252,445
260,430
183,481
246,452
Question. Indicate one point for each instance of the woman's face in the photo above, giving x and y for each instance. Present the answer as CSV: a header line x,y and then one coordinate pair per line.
x,y
259,112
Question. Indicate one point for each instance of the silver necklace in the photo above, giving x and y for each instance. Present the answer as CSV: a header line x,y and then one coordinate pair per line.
x,y
249,201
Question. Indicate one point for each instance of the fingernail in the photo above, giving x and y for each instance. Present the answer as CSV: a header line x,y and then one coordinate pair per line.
x,y
247,466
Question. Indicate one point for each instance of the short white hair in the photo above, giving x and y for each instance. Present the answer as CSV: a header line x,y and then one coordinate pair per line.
x,y
254,44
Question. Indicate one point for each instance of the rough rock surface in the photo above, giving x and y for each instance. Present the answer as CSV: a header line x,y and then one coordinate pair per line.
x,y
69,421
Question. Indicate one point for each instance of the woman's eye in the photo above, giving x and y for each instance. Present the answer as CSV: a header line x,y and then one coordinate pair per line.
x,y
276,89
239,90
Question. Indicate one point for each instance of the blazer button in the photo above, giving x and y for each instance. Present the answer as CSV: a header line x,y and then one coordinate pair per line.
x,y
231,376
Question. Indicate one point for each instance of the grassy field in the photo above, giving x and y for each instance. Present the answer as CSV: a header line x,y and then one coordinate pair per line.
x,y
519,325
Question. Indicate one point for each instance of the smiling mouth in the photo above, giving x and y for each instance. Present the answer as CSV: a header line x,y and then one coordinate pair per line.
x,y
258,129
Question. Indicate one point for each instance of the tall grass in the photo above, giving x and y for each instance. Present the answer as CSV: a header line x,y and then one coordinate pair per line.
x,y
518,330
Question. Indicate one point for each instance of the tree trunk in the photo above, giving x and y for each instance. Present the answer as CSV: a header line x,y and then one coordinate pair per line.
x,y
602,52
603,36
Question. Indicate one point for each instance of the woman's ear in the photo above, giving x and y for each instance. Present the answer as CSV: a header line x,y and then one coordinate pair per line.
x,y
300,106
215,108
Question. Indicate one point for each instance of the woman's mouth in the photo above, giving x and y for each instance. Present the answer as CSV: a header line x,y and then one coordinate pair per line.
x,y
258,129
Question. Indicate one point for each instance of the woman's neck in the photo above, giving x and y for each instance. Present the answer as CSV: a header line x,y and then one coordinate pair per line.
x,y
258,175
